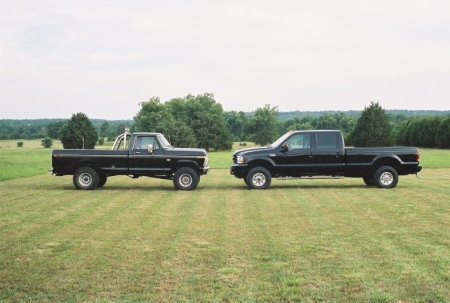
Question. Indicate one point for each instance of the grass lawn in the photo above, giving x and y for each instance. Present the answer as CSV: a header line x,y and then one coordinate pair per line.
x,y
140,240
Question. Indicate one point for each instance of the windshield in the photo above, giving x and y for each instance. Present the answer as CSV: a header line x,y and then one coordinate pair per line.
x,y
164,142
279,141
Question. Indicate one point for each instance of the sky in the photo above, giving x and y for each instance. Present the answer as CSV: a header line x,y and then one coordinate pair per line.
x,y
103,58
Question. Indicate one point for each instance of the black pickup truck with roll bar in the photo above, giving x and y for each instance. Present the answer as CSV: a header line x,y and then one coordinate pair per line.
x,y
135,155
316,154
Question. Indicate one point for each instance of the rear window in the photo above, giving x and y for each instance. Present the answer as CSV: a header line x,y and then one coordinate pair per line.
x,y
327,140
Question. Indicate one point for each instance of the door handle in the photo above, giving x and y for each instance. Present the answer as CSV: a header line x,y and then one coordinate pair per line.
x,y
137,153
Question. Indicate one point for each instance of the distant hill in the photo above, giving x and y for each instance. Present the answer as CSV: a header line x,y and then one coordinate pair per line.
x,y
95,122
395,112
281,115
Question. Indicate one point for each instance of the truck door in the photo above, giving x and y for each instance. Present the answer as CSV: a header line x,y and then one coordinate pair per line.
x,y
328,155
145,163
295,159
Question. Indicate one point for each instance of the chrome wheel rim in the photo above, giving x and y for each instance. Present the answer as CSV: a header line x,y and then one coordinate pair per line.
x,y
386,178
85,179
185,180
259,179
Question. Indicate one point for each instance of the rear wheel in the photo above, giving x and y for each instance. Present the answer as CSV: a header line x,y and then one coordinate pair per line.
x,y
102,180
386,177
86,178
186,179
258,178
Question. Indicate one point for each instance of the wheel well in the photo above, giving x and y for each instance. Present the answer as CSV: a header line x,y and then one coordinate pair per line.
x,y
192,165
82,164
385,162
260,163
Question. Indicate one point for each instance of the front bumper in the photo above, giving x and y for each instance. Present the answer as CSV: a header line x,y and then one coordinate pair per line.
x,y
205,170
239,170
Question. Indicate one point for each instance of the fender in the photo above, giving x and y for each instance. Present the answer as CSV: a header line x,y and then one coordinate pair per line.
x,y
259,161
187,161
387,156
83,162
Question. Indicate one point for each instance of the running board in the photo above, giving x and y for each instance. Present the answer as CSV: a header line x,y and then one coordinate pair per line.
x,y
310,177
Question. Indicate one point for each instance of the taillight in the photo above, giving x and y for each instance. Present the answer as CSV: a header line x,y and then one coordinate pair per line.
x,y
418,156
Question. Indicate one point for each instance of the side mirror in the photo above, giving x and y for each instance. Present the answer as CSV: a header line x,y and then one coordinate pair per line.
x,y
284,147
150,149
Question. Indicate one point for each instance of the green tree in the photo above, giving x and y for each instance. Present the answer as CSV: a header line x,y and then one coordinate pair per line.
x,y
402,134
428,127
296,123
79,133
156,117
179,134
236,122
205,117
372,128
105,129
442,137
47,142
53,129
262,128
152,117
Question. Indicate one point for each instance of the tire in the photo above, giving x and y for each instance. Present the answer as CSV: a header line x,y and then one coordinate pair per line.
x,y
369,181
258,178
86,178
386,177
102,180
245,181
185,179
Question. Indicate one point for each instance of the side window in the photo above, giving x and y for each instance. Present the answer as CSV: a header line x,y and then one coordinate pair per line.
x,y
299,141
327,140
143,142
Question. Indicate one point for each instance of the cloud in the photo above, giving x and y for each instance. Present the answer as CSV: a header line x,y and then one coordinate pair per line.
x,y
104,57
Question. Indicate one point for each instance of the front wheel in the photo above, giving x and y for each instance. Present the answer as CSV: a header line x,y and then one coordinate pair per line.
x,y
258,178
86,178
186,179
386,177
369,181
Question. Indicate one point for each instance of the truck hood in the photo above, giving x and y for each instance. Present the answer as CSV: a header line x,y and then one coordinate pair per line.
x,y
244,151
186,151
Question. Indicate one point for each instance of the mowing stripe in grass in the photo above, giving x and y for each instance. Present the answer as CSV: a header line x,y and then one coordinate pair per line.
x,y
298,241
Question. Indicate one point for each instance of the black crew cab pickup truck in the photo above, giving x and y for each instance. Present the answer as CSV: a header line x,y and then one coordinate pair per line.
x,y
135,155
322,154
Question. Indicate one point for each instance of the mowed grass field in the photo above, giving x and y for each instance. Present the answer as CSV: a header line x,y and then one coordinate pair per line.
x,y
140,240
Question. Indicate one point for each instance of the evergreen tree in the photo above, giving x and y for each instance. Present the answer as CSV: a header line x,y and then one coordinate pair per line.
x,y
372,128
442,136
79,133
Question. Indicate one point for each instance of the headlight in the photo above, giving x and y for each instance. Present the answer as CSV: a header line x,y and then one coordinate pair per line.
x,y
240,159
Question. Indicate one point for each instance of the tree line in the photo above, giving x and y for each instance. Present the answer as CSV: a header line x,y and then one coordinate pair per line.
x,y
199,121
